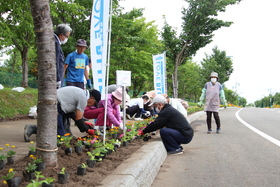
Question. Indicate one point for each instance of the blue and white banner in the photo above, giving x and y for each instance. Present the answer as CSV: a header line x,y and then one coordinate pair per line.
x,y
159,73
98,42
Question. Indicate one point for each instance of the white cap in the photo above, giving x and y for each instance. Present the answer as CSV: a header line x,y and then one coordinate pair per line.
x,y
159,99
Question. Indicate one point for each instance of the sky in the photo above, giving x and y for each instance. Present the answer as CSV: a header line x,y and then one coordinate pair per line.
x,y
252,41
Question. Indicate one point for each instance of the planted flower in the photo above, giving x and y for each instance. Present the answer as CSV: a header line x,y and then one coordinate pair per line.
x,y
32,148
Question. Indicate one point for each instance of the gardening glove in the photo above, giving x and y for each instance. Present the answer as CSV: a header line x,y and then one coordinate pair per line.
x,y
142,111
140,133
89,85
199,104
202,97
91,131
122,127
89,124
147,114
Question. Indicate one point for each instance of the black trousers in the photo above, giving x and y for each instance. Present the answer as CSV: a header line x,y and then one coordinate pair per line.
x,y
133,110
209,119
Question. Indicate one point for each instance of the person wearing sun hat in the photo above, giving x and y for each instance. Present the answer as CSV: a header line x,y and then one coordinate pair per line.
x,y
77,66
177,129
113,110
213,93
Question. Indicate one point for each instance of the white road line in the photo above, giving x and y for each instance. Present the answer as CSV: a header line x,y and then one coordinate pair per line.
x,y
269,138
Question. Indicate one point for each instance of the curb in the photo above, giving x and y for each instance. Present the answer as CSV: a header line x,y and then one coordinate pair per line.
x,y
142,167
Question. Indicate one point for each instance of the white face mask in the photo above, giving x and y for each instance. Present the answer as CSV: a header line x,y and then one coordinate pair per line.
x,y
157,110
214,80
64,41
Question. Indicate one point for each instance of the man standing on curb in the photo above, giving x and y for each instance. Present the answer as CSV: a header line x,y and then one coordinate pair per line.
x,y
178,130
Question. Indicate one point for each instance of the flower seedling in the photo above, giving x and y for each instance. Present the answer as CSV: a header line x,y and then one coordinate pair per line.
x,y
36,159
62,170
31,167
83,165
2,155
32,147
11,152
9,175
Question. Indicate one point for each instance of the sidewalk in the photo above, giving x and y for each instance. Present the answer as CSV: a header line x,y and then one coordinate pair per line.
x,y
139,170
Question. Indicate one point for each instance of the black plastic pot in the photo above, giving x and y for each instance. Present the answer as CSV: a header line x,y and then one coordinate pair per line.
x,y
81,171
91,163
68,150
78,149
32,153
40,166
28,176
47,185
10,160
62,178
14,182
2,164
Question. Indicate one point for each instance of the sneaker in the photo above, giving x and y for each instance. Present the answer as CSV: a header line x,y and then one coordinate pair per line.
x,y
219,130
128,116
138,119
182,148
176,152
209,131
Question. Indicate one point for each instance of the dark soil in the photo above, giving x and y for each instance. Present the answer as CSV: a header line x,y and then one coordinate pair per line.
x,y
92,177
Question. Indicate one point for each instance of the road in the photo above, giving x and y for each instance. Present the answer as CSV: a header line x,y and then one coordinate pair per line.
x,y
236,157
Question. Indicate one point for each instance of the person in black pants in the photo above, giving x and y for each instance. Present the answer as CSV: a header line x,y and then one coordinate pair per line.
x,y
177,129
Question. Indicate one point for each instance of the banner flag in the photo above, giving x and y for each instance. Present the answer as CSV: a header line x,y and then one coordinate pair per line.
x,y
159,73
98,43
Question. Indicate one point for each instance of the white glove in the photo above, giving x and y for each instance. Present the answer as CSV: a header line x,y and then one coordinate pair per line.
x,y
147,114
122,127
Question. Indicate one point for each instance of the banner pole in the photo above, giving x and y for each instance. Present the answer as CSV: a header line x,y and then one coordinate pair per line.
x,y
107,69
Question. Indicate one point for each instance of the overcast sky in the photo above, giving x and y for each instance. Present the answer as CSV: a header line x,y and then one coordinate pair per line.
x,y
252,41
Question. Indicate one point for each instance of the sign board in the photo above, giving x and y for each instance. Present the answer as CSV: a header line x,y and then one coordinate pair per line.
x,y
123,78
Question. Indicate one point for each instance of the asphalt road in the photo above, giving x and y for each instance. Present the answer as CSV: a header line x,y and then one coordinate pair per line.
x,y
236,157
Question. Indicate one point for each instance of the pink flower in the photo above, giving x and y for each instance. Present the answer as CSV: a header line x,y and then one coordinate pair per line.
x,y
121,135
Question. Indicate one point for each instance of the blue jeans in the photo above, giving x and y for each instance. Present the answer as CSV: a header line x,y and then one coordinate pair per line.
x,y
172,139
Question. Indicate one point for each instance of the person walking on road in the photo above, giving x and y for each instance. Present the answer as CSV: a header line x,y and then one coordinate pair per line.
x,y
77,66
178,130
61,35
213,93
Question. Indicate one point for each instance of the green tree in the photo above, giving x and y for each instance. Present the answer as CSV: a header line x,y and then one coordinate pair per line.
x,y
133,42
231,96
219,63
47,100
189,81
199,23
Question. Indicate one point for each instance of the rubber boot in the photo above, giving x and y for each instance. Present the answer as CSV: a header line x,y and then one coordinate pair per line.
x,y
28,131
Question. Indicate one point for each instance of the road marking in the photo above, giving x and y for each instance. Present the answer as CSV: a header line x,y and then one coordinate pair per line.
x,y
269,138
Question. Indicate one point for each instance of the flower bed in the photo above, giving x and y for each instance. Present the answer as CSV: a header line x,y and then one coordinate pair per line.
x,y
71,161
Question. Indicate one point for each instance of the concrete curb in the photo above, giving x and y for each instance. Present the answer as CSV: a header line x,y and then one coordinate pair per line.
x,y
142,167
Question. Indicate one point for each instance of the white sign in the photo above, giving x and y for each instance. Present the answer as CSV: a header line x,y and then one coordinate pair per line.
x,y
123,78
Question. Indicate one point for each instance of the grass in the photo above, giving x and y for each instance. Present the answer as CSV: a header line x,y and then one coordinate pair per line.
x,y
13,103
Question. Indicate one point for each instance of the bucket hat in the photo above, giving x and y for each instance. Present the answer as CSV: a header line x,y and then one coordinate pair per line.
x,y
214,74
118,94
82,42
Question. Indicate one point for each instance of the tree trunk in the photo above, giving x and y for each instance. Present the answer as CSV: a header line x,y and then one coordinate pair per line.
x,y
175,81
24,65
47,101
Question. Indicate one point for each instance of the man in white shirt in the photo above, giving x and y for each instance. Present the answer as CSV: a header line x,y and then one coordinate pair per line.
x,y
136,107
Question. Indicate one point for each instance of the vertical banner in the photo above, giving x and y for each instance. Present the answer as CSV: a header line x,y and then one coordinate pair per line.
x,y
159,73
98,43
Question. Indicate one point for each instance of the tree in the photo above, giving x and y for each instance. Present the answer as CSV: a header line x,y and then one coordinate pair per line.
x,y
189,81
133,42
47,108
219,63
17,30
199,23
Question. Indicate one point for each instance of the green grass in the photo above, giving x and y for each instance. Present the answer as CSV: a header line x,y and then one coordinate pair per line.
x,y
13,103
